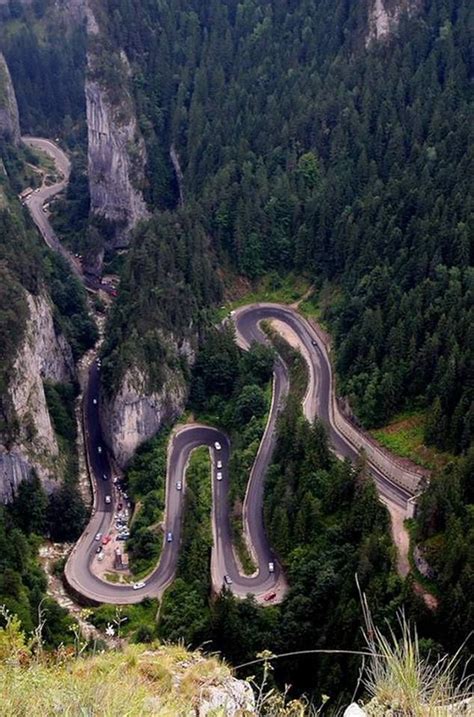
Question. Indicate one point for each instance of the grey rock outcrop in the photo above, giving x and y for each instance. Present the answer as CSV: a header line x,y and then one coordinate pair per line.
x,y
384,17
231,698
134,414
9,118
116,150
43,355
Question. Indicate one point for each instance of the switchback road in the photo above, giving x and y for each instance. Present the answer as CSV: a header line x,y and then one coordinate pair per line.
x,y
395,483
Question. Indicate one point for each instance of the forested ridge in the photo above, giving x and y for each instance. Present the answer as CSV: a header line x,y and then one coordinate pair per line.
x,y
304,149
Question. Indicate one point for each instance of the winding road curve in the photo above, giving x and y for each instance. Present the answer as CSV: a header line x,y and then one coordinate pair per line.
x,y
395,484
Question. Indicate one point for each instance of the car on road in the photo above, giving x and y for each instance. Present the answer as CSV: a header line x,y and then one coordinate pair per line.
x,y
139,586
98,536
314,342
169,537
219,475
271,567
217,446
105,476
99,449
219,464
98,549
227,580
179,485
94,401
269,596
108,499
106,539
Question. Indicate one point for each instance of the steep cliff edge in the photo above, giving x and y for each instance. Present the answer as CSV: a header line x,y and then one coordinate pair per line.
x,y
9,118
116,150
136,413
44,354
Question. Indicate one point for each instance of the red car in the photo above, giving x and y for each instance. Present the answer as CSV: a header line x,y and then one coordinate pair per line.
x,y
269,596
106,539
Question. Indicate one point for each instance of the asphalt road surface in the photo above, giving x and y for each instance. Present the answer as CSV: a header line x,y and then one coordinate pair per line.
x,y
224,566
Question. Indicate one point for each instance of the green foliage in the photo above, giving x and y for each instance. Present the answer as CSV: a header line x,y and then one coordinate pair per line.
x,y
166,281
184,611
147,484
22,582
66,514
130,620
445,527
46,56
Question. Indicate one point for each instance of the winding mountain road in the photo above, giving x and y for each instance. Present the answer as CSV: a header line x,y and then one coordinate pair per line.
x,y
395,483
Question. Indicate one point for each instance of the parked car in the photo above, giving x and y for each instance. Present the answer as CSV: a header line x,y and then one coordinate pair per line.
x,y
98,536
269,596
98,549
101,556
106,539
217,446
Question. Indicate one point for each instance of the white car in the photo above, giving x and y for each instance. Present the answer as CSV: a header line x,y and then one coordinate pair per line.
x,y
169,537
94,401
108,499
99,449
227,580
179,485
139,586
219,464
271,567
217,446
219,475
98,536
101,556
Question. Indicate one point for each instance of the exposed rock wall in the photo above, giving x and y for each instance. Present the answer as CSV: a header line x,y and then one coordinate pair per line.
x,y
134,414
116,150
9,118
43,355
384,16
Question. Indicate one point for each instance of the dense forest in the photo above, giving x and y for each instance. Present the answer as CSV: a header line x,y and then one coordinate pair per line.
x,y
304,149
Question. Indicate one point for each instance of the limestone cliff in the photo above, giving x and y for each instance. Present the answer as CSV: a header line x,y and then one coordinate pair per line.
x,y
9,118
134,414
116,150
384,16
43,355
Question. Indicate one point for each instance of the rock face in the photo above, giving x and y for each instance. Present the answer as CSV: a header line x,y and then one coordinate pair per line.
x,y
116,154
233,698
134,414
9,118
384,16
44,355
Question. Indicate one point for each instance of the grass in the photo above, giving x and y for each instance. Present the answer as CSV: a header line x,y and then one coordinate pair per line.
x,y
270,288
127,618
164,680
401,680
429,585
404,435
